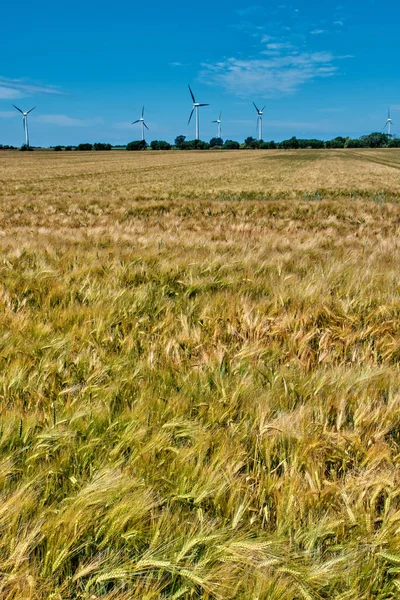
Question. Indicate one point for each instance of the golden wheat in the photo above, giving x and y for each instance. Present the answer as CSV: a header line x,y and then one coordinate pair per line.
x,y
200,386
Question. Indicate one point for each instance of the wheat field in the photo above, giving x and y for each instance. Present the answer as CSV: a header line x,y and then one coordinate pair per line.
x,y
200,384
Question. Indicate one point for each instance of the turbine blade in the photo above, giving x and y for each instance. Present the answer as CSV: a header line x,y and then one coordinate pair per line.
x,y
31,110
18,109
214,121
263,108
191,115
145,125
256,107
142,112
134,122
220,115
204,105
191,93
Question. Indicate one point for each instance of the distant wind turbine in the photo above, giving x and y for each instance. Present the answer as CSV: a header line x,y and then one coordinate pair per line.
x,y
388,123
141,120
196,106
259,121
25,122
218,121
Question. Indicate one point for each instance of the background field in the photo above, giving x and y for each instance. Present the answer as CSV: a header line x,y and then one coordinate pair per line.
x,y
199,383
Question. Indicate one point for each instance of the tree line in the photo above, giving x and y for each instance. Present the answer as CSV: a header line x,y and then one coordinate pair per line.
x,y
372,140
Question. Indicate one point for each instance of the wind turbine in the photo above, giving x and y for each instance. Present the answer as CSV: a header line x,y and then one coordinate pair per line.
x,y
388,123
259,121
196,106
141,120
25,122
218,121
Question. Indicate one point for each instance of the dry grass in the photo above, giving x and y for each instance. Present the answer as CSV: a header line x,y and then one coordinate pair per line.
x,y
200,385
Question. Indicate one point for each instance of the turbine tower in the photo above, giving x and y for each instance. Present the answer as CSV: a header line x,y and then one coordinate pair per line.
x,y
259,121
218,121
196,106
388,123
25,122
141,120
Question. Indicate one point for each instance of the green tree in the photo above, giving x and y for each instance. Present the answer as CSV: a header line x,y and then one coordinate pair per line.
x,y
290,144
137,145
375,140
179,140
231,145
337,142
160,145
350,143
216,141
267,145
100,146
251,142
84,147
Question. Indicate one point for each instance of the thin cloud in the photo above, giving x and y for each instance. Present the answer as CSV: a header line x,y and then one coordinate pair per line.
x,y
250,10
65,121
8,114
274,76
317,31
330,110
339,23
7,93
20,88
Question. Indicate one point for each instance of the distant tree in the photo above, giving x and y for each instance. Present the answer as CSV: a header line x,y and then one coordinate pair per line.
x,y
160,145
231,145
194,145
290,144
68,148
252,143
100,146
25,148
179,140
57,148
353,143
375,140
394,143
216,141
337,142
137,145
267,145
310,143
84,147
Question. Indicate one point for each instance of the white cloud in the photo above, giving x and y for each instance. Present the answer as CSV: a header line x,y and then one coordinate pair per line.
x,y
277,75
330,110
250,10
317,31
7,93
20,88
339,23
65,121
8,114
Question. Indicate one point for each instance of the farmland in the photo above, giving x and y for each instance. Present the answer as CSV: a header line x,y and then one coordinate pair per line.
x,y
199,383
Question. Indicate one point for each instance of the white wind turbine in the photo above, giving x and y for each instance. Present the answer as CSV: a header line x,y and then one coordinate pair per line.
x,y
141,120
259,121
196,106
388,123
218,121
25,122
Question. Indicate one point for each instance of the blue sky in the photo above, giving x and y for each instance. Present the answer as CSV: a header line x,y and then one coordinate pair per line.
x,y
322,69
